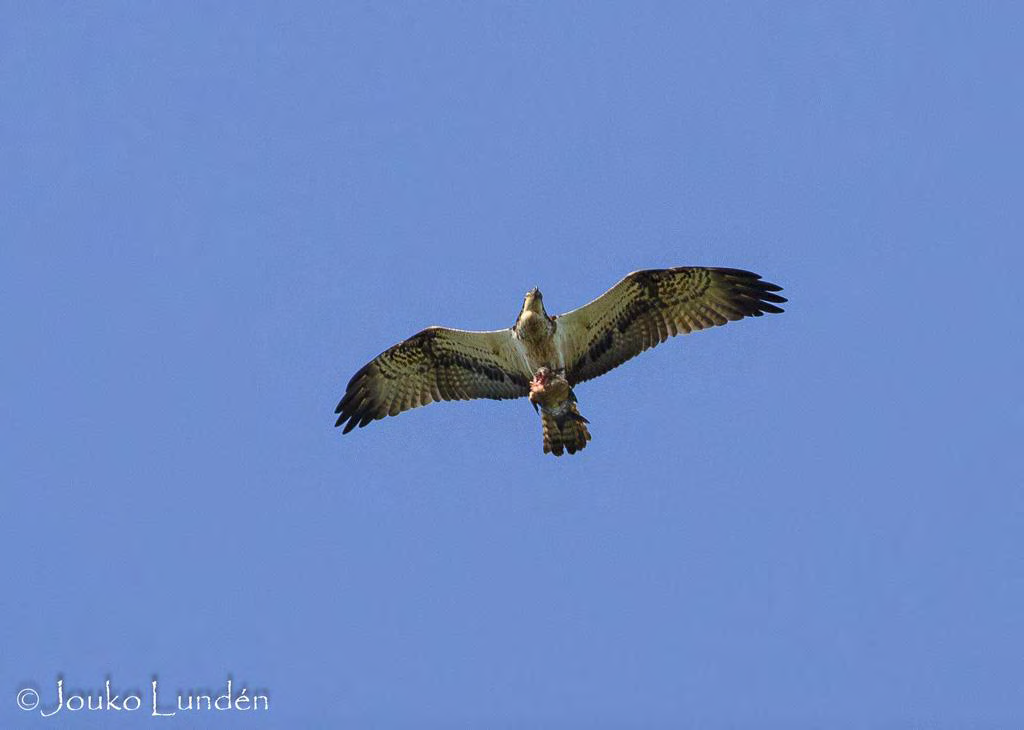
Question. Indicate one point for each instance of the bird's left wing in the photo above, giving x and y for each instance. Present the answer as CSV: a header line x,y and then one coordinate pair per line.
x,y
647,307
435,364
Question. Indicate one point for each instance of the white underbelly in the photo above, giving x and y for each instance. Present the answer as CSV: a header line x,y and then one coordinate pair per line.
x,y
540,353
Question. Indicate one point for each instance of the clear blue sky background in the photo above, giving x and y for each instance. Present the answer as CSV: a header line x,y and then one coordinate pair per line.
x,y
213,214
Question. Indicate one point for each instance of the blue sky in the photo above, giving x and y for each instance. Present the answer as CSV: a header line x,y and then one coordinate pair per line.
x,y
214,214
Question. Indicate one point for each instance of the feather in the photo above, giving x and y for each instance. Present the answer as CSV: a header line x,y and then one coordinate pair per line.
x,y
647,307
436,364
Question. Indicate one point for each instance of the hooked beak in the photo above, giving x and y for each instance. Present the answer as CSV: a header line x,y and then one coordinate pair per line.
x,y
534,301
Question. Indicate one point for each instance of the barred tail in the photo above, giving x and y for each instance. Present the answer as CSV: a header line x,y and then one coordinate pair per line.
x,y
567,430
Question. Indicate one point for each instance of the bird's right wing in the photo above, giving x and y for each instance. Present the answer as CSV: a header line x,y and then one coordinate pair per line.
x,y
435,364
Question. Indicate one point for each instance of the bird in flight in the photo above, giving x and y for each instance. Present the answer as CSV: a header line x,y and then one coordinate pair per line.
x,y
543,357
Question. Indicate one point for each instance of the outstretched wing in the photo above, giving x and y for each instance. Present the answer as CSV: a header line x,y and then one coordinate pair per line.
x,y
435,364
647,307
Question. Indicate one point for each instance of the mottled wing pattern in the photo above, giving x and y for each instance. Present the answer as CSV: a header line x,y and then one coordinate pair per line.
x,y
648,307
435,364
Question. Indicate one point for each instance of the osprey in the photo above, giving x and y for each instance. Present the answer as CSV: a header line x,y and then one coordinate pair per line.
x,y
543,357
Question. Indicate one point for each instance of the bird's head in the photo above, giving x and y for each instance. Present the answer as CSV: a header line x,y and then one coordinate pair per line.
x,y
534,302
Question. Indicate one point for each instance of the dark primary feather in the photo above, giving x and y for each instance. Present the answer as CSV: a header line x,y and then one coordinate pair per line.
x,y
433,365
647,307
